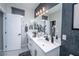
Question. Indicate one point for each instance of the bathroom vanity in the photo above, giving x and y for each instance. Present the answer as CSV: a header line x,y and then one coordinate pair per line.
x,y
38,46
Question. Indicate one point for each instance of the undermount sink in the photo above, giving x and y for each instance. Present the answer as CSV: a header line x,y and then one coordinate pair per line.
x,y
43,42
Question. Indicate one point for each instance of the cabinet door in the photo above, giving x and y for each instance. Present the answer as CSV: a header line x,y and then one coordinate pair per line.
x,y
30,46
37,50
28,42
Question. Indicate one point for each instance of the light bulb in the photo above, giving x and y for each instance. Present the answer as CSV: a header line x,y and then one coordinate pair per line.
x,y
36,14
46,11
43,8
43,13
40,11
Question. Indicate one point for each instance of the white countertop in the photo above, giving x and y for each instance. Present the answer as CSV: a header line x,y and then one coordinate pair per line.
x,y
46,46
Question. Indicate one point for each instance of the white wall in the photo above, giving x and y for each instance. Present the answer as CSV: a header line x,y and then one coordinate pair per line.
x,y
2,7
29,14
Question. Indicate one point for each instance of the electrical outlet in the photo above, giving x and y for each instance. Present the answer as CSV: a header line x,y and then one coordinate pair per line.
x,y
64,37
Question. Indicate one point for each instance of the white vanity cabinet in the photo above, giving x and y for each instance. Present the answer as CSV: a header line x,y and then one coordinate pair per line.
x,y
30,46
37,51
34,49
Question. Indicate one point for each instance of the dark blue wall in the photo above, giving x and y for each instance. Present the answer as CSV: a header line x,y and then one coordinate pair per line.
x,y
71,45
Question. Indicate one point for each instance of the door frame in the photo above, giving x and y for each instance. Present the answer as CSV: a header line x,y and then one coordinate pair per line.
x,y
4,22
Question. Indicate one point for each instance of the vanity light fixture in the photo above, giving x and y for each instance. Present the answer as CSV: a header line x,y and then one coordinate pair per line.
x,y
41,12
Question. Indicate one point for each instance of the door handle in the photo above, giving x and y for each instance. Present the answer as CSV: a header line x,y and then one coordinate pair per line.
x,y
19,34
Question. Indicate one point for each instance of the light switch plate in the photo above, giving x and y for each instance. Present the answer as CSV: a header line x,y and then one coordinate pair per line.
x,y
64,37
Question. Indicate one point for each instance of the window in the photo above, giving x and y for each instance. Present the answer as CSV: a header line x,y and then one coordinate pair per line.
x,y
18,11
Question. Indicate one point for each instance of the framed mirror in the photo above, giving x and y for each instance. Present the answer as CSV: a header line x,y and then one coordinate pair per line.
x,y
75,17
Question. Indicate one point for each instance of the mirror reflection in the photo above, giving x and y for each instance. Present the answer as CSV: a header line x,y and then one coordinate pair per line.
x,y
48,25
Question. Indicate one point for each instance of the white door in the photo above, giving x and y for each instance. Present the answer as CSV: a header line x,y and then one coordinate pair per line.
x,y
12,32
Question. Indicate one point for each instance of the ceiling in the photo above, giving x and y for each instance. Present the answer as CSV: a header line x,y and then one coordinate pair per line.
x,y
30,6
54,9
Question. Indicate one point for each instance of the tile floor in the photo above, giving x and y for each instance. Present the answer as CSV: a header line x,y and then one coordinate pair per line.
x,y
13,53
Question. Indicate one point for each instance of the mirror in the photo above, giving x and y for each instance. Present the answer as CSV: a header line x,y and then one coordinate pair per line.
x,y
75,21
54,22
55,15
38,25
50,22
